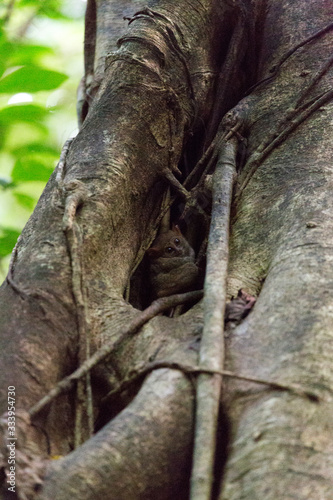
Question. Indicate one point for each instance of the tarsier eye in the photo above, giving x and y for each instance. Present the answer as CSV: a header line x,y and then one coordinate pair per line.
x,y
177,241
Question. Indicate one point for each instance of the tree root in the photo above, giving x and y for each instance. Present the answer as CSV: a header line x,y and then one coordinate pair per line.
x,y
157,307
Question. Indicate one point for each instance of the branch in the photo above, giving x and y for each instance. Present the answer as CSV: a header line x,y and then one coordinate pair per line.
x,y
84,406
138,374
212,343
314,81
274,70
200,165
157,307
8,11
265,149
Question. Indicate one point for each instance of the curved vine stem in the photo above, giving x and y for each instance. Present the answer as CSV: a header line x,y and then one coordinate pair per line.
x,y
212,343
84,406
275,69
265,149
141,318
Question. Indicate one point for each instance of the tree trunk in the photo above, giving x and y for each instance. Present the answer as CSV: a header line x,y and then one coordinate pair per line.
x,y
149,108
281,247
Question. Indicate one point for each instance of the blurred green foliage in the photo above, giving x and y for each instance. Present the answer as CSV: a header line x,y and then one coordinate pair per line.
x,y
41,63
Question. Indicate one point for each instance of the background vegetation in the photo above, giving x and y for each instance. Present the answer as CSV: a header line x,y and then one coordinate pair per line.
x,y
41,63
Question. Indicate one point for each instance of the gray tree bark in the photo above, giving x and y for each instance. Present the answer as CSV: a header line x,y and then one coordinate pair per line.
x,y
177,69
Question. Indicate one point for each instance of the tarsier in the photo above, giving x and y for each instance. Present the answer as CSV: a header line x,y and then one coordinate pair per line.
x,y
172,264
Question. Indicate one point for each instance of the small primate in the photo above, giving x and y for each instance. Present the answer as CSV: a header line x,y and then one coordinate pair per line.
x,y
172,265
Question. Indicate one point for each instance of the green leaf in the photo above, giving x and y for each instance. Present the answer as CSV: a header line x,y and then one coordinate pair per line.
x,y
35,162
22,113
25,201
29,3
31,169
27,54
36,147
6,49
51,8
6,183
8,238
31,79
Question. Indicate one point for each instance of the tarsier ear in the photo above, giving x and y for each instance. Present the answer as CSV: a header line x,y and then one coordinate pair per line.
x,y
176,229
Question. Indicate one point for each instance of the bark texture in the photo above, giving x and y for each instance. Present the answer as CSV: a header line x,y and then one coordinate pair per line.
x,y
282,233
149,104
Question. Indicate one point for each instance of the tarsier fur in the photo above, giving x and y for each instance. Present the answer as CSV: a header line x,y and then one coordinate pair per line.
x,y
172,264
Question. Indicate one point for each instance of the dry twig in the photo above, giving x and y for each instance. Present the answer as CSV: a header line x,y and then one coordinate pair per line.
x,y
212,344
157,307
138,374
273,142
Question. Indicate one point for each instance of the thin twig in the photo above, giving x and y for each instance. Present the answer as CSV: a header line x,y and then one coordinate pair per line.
x,y
138,374
200,164
9,10
227,73
314,81
176,184
22,30
157,307
192,200
212,343
266,149
274,70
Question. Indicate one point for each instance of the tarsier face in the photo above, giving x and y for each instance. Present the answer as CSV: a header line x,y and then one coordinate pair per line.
x,y
170,244
172,247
